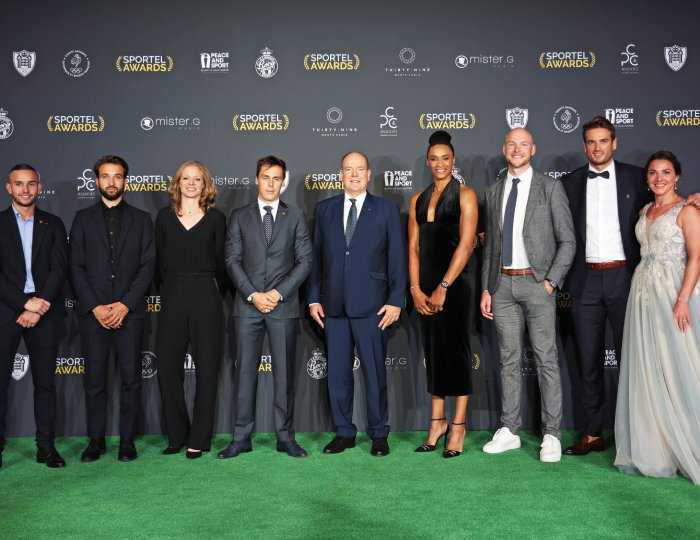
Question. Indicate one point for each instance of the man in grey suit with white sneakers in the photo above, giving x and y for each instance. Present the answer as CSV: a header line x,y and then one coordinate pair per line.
x,y
530,245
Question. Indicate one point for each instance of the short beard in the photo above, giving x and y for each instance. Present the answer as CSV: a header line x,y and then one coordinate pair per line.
x,y
20,202
113,197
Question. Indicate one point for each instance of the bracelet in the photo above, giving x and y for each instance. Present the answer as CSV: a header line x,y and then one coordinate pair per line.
x,y
683,300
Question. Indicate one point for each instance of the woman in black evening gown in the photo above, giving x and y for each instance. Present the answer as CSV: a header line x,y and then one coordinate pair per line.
x,y
190,236
441,227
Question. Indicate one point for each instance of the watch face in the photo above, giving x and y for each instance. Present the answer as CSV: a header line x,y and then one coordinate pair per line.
x,y
444,284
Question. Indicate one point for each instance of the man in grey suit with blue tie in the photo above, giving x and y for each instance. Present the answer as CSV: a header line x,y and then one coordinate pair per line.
x,y
530,246
268,256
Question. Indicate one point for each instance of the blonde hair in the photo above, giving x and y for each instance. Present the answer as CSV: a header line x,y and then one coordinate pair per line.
x,y
206,199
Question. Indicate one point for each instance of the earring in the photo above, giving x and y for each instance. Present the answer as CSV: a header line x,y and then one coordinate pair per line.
x,y
675,186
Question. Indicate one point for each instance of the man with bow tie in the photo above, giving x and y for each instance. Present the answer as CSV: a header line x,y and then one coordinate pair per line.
x,y
268,256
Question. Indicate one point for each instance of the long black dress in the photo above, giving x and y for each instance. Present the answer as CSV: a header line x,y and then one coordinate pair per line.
x,y
445,334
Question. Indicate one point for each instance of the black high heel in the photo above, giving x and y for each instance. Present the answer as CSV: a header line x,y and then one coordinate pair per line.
x,y
453,453
431,447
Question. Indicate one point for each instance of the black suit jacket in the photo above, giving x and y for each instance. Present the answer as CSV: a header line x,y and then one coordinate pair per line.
x,y
632,195
91,269
49,264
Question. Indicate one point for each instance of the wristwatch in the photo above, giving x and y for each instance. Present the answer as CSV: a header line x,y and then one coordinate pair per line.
x,y
553,284
444,284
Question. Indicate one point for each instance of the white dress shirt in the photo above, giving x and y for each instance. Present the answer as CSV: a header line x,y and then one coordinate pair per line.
x,y
519,253
275,205
603,237
359,201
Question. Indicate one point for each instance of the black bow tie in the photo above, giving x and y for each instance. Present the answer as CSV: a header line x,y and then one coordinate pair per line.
x,y
593,174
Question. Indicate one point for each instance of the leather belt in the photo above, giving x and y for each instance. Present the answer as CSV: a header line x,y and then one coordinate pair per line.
x,y
517,271
605,265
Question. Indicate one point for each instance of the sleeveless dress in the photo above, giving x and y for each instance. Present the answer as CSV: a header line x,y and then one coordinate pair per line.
x,y
445,335
657,425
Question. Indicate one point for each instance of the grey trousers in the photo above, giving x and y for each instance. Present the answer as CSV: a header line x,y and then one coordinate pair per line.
x,y
519,301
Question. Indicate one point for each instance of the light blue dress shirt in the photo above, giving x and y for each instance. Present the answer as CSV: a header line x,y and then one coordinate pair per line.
x,y
26,233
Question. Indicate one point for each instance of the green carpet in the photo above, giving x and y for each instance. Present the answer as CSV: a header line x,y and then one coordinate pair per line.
x,y
265,494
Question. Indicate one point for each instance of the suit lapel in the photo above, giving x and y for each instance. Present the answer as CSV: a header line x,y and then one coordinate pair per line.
x,y
256,219
364,217
98,220
11,225
624,197
124,225
40,226
336,224
580,206
499,190
280,221
533,197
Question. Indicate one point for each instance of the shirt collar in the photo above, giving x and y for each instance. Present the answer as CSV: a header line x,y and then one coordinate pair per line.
x,y
20,216
359,199
525,177
262,204
610,168
118,206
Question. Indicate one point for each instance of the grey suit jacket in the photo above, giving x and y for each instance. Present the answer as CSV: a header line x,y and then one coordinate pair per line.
x,y
255,266
548,231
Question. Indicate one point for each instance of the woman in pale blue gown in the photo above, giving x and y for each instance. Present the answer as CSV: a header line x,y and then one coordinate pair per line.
x,y
657,425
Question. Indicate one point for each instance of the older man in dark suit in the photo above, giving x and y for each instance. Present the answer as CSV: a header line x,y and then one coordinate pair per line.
x,y
33,268
529,247
113,257
268,256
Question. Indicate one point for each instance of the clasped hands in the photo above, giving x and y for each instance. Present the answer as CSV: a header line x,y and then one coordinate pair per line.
x,y
429,305
110,316
265,302
33,310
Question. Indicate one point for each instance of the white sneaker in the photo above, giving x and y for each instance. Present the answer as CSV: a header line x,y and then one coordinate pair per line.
x,y
502,440
551,449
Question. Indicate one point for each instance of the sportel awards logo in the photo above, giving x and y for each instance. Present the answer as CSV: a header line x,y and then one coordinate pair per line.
x,y
317,366
678,118
450,120
388,123
261,122
76,63
70,366
516,117
567,59
213,62
566,119
463,61
323,181
24,62
265,363
266,65
675,56
148,365
86,185
407,68
81,123
149,63
563,300
179,122
398,180
629,65
621,118
6,125
153,304
334,116
331,62
20,366
147,182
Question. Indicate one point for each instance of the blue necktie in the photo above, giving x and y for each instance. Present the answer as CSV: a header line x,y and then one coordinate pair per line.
x,y
267,223
352,221
508,218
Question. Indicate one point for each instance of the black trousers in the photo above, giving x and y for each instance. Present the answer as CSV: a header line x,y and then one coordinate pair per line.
x,y
42,344
97,343
603,297
282,334
192,314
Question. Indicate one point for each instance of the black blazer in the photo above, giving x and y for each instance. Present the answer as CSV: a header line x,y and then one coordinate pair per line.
x,y
91,270
49,264
632,195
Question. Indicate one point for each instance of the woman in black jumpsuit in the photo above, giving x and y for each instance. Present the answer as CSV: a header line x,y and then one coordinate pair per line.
x,y
190,237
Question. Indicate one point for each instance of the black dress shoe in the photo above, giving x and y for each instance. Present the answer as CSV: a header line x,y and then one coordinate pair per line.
x,y
292,448
338,444
95,448
127,450
193,454
171,450
583,447
234,449
50,456
380,447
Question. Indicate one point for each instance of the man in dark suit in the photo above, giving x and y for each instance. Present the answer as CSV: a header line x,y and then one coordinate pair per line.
x,y
357,288
33,268
268,256
112,263
529,247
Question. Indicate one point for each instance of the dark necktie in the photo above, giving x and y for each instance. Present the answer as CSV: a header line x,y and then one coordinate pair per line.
x,y
267,223
508,218
593,174
352,221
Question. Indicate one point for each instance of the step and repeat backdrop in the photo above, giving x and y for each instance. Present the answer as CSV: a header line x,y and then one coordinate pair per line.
x,y
228,82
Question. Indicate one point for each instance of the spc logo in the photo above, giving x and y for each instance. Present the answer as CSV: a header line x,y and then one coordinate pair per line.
x,y
317,366
629,65
148,365
20,366
86,184
388,124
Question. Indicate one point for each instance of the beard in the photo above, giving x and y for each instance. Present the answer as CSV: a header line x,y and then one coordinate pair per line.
x,y
112,196
24,203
